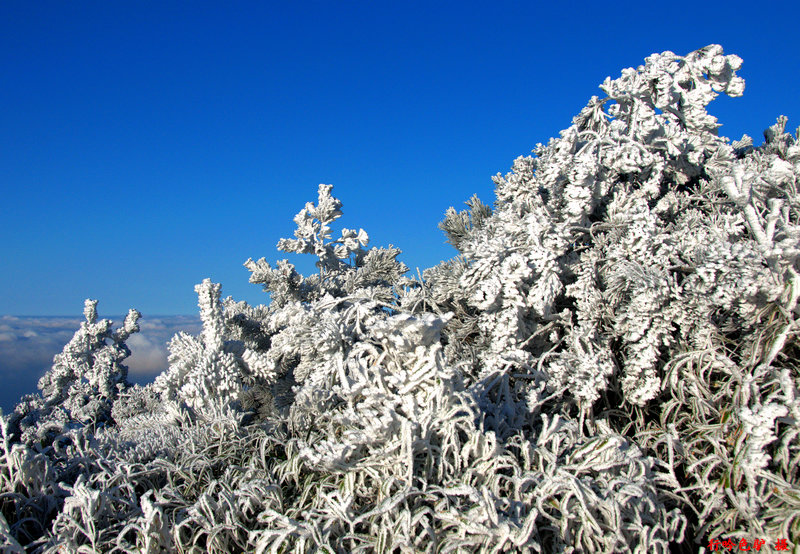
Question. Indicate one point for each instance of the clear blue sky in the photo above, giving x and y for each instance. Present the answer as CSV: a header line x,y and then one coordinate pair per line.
x,y
145,146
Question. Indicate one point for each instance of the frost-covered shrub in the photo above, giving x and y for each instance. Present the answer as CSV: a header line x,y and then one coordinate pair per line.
x,y
206,372
83,383
648,267
608,365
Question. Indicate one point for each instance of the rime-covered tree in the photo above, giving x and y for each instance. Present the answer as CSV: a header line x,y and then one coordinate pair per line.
x,y
83,383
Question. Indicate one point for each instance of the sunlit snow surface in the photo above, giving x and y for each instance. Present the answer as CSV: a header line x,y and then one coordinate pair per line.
x,y
28,344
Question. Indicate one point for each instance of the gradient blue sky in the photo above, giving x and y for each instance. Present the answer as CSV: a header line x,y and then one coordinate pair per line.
x,y
145,146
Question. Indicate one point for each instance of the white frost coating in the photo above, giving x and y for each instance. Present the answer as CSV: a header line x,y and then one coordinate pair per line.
x,y
205,372
584,368
609,365
759,428
211,313
406,332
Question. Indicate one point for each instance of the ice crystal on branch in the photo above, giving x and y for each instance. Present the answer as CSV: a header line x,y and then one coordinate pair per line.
x,y
313,233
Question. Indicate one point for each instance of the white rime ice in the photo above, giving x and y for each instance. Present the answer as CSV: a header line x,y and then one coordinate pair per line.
x,y
609,364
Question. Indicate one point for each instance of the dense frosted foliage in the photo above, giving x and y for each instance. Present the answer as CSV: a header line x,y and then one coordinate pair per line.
x,y
609,364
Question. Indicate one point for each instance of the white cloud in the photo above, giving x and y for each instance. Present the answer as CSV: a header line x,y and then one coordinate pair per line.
x,y
147,356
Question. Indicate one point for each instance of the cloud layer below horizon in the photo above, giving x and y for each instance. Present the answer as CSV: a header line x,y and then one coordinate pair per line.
x,y
28,344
